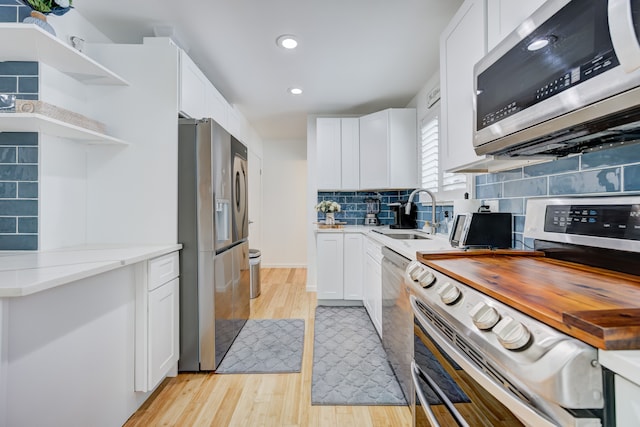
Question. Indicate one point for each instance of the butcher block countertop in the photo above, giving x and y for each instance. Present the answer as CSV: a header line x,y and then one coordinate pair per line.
x,y
599,307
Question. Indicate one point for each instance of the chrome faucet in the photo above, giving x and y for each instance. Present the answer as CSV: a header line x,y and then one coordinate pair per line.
x,y
407,209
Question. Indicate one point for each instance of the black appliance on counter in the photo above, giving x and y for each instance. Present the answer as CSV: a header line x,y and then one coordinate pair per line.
x,y
481,230
402,220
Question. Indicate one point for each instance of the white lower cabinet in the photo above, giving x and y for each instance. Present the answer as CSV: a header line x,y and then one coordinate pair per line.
x,y
353,266
339,266
627,402
157,321
163,331
372,287
388,149
330,249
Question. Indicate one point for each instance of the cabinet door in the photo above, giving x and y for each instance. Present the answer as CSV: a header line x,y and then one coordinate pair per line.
x,y
376,298
462,44
216,106
353,263
193,88
503,16
329,151
369,284
163,331
403,148
627,402
330,265
350,141
374,152
373,283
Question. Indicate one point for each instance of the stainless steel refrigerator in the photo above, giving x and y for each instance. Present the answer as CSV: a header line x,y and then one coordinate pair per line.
x,y
213,228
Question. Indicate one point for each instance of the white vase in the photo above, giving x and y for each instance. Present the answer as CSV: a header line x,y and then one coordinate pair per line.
x,y
329,218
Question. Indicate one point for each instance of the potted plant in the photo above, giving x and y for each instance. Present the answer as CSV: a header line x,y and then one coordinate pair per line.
x,y
329,208
41,8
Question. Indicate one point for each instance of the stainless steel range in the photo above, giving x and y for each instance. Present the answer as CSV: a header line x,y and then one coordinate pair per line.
x,y
524,327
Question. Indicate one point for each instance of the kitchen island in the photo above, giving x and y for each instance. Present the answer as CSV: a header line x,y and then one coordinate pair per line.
x,y
74,333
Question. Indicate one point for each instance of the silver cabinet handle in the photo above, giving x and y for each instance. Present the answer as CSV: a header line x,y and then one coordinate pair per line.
x,y
417,373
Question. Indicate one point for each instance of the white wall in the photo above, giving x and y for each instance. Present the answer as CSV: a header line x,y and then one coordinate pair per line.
x,y
255,200
284,223
419,102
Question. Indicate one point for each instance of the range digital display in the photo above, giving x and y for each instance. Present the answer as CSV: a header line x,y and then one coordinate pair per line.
x,y
615,221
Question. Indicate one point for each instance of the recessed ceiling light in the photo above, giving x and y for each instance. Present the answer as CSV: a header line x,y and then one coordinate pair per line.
x,y
287,41
295,91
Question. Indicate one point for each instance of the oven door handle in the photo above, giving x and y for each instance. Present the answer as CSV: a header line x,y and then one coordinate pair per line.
x,y
417,373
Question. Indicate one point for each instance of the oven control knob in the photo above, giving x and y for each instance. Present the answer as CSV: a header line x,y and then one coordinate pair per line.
x,y
512,334
413,269
449,294
426,278
484,316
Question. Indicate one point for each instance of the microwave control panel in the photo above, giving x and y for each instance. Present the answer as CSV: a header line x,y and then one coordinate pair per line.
x,y
614,221
548,88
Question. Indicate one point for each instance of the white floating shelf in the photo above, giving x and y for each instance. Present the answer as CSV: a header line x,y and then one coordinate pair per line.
x,y
33,122
28,42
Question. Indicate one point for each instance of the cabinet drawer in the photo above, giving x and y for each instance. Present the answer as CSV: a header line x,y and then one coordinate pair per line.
x,y
162,269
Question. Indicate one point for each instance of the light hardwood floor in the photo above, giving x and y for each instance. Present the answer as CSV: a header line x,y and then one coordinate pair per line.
x,y
206,399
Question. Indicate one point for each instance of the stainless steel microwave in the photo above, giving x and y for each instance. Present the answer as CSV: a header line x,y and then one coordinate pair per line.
x,y
567,80
482,230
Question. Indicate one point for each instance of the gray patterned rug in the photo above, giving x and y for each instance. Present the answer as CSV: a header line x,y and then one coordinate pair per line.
x,y
350,366
266,346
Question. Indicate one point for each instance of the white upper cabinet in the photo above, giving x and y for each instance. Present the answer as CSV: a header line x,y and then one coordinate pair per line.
x,y
338,142
193,89
216,106
462,44
388,149
329,145
350,148
503,16
199,98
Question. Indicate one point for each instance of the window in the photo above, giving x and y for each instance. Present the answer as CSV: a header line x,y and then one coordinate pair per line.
x,y
446,186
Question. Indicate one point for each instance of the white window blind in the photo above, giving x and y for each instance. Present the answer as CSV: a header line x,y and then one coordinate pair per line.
x,y
433,178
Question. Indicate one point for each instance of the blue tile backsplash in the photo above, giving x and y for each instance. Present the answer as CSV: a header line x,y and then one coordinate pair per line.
x,y
19,78
605,172
19,191
13,11
354,207
18,151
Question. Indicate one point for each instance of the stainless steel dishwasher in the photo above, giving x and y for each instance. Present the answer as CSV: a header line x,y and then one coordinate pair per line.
x,y
397,318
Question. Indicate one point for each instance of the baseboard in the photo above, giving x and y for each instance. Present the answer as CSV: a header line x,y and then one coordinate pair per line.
x,y
340,302
263,265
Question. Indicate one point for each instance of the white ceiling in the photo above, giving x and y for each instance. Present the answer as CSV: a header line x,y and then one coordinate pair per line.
x,y
354,56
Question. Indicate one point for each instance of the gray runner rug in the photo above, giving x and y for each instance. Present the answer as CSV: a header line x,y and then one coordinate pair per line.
x,y
350,366
266,346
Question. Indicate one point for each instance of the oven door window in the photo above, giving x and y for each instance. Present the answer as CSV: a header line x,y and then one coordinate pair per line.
x,y
465,402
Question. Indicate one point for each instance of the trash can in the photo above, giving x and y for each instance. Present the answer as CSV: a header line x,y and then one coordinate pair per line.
x,y
254,272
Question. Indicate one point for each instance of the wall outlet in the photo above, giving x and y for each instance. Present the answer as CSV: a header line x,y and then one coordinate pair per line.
x,y
494,205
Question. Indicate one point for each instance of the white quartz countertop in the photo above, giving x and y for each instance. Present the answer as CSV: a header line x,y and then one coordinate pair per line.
x,y
25,273
406,248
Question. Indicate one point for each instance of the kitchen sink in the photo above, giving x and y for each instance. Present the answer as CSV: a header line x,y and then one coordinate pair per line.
x,y
406,236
